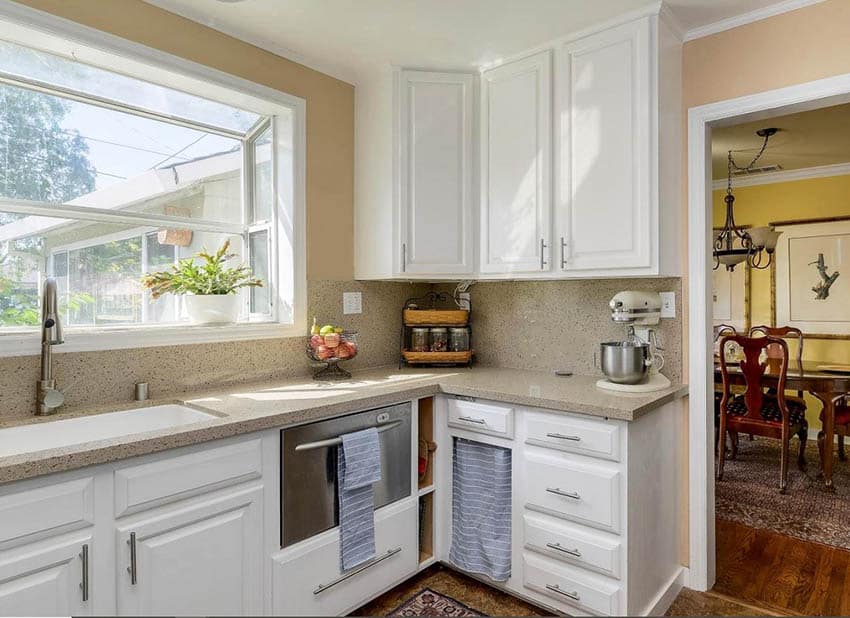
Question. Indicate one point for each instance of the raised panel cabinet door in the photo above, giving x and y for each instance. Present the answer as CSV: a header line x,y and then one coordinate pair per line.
x,y
202,558
516,162
51,577
435,172
605,188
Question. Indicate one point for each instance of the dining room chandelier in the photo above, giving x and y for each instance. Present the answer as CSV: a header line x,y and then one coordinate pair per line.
x,y
733,244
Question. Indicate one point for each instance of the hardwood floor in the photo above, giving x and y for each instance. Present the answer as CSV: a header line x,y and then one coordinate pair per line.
x,y
781,573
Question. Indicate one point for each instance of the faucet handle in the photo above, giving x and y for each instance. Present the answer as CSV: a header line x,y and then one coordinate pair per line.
x,y
52,398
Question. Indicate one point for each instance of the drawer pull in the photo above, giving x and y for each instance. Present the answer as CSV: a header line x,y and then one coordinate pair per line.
x,y
469,419
132,568
356,571
570,595
557,546
566,494
561,436
84,585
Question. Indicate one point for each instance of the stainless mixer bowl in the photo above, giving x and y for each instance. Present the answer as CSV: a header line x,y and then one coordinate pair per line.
x,y
625,362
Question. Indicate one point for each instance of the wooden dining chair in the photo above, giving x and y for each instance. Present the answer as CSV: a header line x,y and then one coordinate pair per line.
x,y
719,331
756,412
842,428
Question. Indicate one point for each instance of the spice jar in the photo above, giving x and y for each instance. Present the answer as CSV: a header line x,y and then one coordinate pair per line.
x,y
439,339
458,339
419,340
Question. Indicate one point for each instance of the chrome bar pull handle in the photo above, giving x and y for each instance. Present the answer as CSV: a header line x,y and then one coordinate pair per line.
x,y
570,595
561,436
357,570
132,568
563,253
571,552
84,585
543,246
470,419
404,257
566,494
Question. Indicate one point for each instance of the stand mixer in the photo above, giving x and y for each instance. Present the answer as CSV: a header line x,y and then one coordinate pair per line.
x,y
633,365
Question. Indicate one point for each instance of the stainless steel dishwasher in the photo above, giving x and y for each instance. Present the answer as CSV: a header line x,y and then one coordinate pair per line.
x,y
309,460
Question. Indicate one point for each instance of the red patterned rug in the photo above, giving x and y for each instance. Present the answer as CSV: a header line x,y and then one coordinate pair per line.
x,y
430,603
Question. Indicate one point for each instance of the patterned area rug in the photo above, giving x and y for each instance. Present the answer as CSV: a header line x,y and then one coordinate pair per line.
x,y
430,603
749,494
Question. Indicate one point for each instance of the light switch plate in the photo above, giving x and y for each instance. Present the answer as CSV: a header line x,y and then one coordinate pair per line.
x,y
668,304
352,302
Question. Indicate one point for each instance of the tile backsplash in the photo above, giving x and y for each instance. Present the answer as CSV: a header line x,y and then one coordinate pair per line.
x,y
543,325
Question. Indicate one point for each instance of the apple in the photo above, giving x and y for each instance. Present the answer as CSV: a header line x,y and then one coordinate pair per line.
x,y
323,352
332,340
344,351
316,341
328,328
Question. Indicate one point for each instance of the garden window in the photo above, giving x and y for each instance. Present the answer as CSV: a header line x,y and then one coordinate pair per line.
x,y
105,177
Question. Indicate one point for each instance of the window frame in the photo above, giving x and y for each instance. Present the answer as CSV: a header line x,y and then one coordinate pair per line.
x,y
287,228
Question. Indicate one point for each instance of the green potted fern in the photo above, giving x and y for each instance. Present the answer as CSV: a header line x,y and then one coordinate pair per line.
x,y
207,283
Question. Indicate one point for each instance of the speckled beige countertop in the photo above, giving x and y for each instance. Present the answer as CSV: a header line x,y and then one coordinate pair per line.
x,y
268,405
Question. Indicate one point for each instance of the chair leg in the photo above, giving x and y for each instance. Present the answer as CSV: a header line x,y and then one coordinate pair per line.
x,y
733,439
751,437
803,434
841,430
721,456
783,464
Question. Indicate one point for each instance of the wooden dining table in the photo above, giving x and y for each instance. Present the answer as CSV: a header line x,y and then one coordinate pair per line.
x,y
828,387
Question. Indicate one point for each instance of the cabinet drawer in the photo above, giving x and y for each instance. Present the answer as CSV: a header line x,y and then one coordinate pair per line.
x,y
30,514
306,578
480,417
152,484
570,588
582,493
576,435
568,543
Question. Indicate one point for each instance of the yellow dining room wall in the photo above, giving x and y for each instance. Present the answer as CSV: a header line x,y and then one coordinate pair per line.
x,y
787,201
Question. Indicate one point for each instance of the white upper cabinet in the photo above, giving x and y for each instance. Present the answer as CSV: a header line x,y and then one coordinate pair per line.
x,y
435,172
516,163
605,189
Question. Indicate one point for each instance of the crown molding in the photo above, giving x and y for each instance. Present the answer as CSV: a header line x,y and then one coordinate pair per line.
x,y
770,178
747,18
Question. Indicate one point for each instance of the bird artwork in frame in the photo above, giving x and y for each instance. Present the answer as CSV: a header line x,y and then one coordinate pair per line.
x,y
810,292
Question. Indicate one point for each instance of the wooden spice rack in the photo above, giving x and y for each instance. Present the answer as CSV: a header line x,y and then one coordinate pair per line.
x,y
432,317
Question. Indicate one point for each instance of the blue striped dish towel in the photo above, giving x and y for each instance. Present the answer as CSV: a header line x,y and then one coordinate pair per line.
x,y
358,466
481,509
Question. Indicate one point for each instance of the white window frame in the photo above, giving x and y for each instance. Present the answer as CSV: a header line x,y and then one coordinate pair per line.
x,y
32,28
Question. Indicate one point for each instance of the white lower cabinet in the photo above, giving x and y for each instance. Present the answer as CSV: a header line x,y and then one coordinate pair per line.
x,y
307,580
50,577
596,505
203,557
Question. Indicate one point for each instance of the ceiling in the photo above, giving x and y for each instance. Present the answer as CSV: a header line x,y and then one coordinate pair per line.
x,y
347,37
806,139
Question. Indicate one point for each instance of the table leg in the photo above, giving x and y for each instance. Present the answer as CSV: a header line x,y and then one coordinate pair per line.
x,y
828,401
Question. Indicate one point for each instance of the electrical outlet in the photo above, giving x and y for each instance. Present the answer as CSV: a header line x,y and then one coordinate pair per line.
x,y
668,304
352,302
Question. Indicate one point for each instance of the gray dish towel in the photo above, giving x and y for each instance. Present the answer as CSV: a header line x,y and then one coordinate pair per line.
x,y
481,509
358,467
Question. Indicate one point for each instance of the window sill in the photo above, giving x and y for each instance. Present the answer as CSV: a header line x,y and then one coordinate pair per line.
x,y
29,343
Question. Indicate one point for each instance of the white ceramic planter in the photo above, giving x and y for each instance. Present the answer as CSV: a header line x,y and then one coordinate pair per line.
x,y
212,308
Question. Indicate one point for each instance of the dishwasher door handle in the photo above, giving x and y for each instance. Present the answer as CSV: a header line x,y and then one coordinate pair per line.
x,y
309,446
357,570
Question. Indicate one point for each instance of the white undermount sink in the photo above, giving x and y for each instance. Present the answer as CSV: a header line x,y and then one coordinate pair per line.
x,y
59,433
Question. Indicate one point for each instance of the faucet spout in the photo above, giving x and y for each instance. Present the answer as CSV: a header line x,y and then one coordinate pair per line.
x,y
48,397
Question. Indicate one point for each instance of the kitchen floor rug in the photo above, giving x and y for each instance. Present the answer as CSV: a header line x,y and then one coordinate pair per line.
x,y
749,493
429,603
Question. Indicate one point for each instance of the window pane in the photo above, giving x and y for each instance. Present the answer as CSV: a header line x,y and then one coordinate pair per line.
x,y
263,181
98,267
55,150
260,297
56,70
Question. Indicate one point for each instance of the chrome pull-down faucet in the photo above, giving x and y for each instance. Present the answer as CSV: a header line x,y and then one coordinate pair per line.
x,y
48,397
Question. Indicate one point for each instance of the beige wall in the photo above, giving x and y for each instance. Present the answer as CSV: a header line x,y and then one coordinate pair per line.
x,y
330,110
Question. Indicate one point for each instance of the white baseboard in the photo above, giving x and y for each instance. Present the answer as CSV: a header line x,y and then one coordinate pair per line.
x,y
667,595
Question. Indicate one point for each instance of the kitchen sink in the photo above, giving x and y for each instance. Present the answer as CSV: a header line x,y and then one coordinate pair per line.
x,y
68,432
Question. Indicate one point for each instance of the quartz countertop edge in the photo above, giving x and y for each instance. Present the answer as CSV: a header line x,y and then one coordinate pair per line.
x,y
272,404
